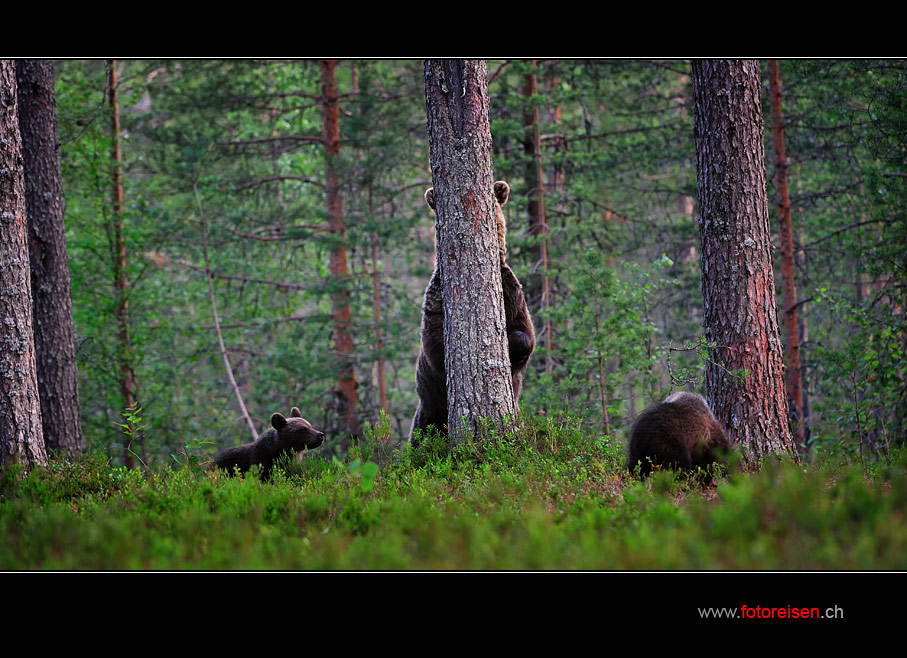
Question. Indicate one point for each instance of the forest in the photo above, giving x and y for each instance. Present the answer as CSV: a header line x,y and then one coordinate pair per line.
x,y
241,237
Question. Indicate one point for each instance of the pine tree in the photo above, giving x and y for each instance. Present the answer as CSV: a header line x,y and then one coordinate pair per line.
x,y
52,294
476,357
20,409
745,377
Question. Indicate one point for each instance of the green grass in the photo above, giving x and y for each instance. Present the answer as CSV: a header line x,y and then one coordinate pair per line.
x,y
545,497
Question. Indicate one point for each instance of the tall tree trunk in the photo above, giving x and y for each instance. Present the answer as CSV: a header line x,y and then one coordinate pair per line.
x,y
20,409
340,298
376,286
369,181
128,384
55,344
539,285
786,235
738,285
476,357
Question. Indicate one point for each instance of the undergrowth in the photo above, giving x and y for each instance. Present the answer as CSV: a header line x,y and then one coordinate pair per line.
x,y
545,495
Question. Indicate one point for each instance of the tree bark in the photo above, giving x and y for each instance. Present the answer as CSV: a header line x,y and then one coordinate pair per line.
x,y
54,335
786,235
476,358
340,298
128,384
20,409
738,286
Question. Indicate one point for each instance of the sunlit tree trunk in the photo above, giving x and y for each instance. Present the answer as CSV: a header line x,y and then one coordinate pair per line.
x,y
51,291
128,383
476,358
340,297
786,235
20,409
744,376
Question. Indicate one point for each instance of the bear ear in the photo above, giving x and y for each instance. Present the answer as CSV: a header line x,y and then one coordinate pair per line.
x,y
501,191
429,197
278,422
296,412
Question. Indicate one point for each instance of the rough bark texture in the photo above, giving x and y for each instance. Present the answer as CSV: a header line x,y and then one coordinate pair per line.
x,y
738,286
539,285
128,383
476,358
786,235
340,299
20,408
51,291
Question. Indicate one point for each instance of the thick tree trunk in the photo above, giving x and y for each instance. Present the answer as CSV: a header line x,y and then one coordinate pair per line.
x,y
340,299
128,384
786,235
738,285
20,409
51,291
476,357
539,285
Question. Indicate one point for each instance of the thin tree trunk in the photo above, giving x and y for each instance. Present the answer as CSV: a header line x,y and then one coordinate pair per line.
x,y
801,262
20,409
376,275
786,235
539,286
55,344
220,336
340,299
128,384
738,286
606,421
476,358
376,285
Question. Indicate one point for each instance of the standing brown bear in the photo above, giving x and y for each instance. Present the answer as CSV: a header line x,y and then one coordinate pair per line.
x,y
287,436
431,379
679,433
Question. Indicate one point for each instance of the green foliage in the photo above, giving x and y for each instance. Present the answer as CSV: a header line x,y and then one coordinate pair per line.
x,y
544,496
619,168
846,141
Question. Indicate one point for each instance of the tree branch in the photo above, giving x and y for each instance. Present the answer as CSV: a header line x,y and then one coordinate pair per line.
x,y
271,179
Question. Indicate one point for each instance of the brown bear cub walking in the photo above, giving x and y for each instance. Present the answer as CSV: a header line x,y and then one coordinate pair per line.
x,y
431,379
286,436
679,433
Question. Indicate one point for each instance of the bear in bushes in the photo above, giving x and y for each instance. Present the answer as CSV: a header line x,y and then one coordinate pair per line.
x,y
679,433
286,436
431,380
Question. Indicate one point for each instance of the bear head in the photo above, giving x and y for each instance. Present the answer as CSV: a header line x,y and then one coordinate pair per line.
x,y
501,195
296,432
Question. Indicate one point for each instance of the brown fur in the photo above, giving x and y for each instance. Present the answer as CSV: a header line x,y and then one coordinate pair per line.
x,y
431,379
287,436
679,433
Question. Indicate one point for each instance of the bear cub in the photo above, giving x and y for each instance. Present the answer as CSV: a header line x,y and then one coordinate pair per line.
x,y
679,433
431,378
286,436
